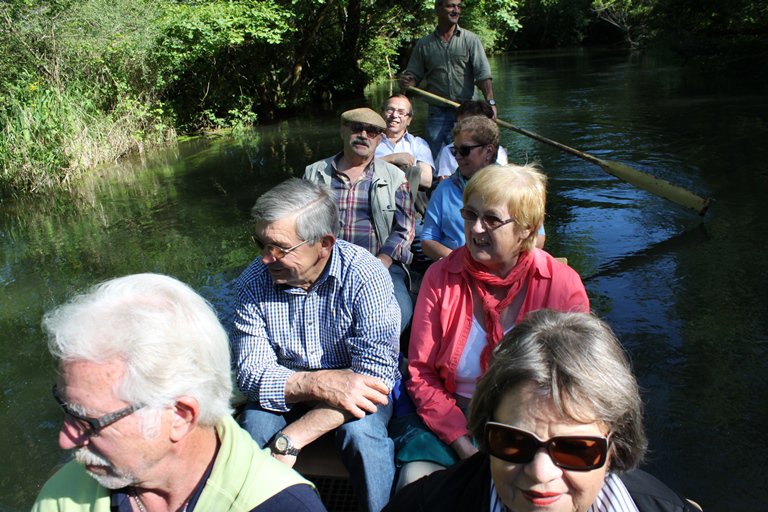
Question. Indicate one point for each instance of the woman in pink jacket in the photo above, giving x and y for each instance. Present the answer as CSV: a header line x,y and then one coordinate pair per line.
x,y
467,301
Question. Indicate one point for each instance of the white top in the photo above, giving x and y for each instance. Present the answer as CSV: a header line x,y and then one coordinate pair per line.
x,y
469,370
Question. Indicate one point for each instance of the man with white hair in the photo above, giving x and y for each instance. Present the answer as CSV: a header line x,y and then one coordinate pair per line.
x,y
144,383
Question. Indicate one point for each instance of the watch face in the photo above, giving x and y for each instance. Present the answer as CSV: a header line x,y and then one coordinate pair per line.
x,y
281,444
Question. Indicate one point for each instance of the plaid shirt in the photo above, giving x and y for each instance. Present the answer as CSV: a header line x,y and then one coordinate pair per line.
x,y
348,319
355,213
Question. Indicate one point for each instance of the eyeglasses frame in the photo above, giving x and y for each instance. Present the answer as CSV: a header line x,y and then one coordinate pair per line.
x,y
547,445
283,252
95,425
400,112
483,220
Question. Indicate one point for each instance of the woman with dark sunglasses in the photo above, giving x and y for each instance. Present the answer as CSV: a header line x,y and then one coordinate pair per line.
x,y
466,302
558,421
475,146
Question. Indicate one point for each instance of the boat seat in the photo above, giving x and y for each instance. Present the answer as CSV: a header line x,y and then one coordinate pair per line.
x,y
321,459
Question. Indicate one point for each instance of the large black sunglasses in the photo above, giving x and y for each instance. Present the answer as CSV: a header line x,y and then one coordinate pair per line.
x,y
466,149
575,453
372,131
92,426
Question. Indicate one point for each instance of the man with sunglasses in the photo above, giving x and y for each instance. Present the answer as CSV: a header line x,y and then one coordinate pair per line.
x,y
144,383
374,199
452,61
315,339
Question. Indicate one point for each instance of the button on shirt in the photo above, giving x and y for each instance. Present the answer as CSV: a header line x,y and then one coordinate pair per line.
x,y
348,319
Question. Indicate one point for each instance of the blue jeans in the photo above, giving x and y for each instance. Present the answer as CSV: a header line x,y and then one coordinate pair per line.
x,y
402,294
440,121
364,445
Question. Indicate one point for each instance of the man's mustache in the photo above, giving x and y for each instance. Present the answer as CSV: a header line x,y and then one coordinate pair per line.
x,y
360,140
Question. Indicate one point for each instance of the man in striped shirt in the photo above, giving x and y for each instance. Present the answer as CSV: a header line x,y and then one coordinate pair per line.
x,y
315,339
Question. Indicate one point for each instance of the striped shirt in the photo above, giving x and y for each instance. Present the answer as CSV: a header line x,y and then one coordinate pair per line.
x,y
348,319
354,201
613,497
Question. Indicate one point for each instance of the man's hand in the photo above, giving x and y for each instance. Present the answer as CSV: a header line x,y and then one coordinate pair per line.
x,y
403,160
406,80
345,390
354,393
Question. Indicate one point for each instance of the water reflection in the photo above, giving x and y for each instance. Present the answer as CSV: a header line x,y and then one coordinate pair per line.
x,y
686,295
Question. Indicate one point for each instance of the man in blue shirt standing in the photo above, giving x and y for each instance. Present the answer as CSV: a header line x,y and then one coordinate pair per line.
x,y
315,338
452,61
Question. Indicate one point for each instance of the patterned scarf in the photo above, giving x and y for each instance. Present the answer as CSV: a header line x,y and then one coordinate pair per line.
x,y
480,280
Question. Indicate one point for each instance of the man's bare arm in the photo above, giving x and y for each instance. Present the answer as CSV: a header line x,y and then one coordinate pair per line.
x,y
310,427
486,86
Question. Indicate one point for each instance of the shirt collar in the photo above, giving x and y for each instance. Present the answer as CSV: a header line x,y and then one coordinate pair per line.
x,y
457,32
335,164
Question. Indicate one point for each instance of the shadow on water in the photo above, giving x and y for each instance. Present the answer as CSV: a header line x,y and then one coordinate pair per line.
x,y
685,295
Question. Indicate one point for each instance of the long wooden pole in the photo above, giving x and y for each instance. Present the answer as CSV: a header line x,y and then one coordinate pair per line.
x,y
624,172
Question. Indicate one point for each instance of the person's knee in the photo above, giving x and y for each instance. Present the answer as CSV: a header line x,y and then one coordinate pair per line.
x,y
412,471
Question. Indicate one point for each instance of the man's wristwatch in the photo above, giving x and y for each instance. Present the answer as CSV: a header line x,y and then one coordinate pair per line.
x,y
491,102
282,445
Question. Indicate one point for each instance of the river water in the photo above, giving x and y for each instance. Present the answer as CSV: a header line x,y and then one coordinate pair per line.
x,y
687,295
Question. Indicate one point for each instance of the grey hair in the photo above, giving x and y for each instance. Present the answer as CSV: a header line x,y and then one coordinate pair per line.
x,y
168,336
314,206
575,360
480,128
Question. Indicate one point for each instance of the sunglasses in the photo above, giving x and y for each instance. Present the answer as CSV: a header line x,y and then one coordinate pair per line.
x,y
371,130
91,426
466,149
490,222
575,453
275,251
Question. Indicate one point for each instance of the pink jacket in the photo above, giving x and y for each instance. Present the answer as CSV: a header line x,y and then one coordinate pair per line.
x,y
441,324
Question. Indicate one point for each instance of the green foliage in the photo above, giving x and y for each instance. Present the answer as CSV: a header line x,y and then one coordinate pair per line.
x,y
631,17
86,81
552,24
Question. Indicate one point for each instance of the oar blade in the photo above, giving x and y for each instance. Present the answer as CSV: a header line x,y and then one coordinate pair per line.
x,y
657,186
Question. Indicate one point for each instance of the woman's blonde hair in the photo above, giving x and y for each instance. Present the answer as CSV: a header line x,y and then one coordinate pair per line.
x,y
522,188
